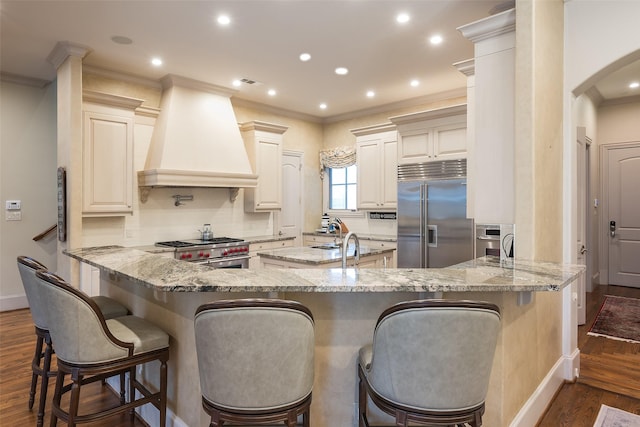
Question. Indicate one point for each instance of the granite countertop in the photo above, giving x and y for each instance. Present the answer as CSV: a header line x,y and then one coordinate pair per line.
x,y
314,256
270,238
379,237
483,275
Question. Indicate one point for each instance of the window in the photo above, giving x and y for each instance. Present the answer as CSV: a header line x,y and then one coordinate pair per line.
x,y
342,188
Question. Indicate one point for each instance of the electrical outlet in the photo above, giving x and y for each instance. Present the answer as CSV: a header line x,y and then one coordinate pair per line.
x,y
13,215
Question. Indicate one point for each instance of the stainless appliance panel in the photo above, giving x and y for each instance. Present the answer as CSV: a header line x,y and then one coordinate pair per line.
x,y
433,230
410,234
450,233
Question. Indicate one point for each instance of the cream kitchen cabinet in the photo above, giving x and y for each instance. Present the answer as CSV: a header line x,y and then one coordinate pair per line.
x,y
376,154
432,135
254,248
313,239
107,154
263,142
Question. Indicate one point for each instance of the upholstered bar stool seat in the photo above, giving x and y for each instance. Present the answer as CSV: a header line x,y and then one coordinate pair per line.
x,y
255,358
41,363
91,348
430,362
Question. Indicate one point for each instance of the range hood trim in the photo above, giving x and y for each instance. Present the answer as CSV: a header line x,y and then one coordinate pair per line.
x,y
196,119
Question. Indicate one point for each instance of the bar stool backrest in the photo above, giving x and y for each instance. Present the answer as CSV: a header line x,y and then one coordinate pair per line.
x,y
28,267
76,325
435,354
255,354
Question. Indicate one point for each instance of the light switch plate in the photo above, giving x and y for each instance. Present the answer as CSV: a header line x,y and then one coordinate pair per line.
x,y
13,205
13,216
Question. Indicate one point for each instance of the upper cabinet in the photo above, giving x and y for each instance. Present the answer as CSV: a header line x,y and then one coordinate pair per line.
x,y
432,135
263,142
376,154
107,154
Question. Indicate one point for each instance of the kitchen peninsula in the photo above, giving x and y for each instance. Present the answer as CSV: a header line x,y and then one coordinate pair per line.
x,y
345,305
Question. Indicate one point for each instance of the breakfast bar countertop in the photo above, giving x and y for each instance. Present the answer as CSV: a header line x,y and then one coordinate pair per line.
x,y
482,274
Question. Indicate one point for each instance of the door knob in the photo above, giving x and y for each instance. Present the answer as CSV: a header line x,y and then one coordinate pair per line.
x,y
583,250
612,228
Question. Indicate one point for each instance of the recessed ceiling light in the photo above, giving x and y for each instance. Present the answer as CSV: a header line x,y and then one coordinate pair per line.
x,y
271,92
370,94
304,57
634,85
402,18
323,106
435,39
224,20
342,71
121,40
237,83
414,83
156,62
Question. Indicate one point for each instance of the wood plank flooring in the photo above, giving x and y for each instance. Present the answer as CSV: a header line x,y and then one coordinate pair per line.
x,y
610,375
17,344
609,372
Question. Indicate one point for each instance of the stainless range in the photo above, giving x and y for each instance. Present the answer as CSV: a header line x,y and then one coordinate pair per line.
x,y
219,252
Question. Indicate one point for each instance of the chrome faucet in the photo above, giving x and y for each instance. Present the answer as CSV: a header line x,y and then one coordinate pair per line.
x,y
339,227
345,246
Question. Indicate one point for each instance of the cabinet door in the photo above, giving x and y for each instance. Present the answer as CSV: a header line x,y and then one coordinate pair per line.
x,y
369,174
269,170
450,142
389,183
415,147
107,164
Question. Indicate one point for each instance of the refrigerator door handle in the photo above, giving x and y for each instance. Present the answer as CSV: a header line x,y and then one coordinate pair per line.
x,y
432,230
424,253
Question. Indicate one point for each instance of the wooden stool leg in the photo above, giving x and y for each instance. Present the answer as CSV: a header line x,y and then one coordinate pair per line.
x,y
74,400
163,393
55,406
44,383
35,366
132,389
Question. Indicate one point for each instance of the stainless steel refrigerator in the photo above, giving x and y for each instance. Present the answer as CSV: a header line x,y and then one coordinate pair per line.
x,y
433,229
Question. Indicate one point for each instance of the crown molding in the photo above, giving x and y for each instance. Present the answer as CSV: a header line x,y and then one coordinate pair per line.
x,y
63,50
24,80
489,27
466,67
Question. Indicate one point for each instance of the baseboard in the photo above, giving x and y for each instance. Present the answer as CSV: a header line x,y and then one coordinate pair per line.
x,y
14,302
565,369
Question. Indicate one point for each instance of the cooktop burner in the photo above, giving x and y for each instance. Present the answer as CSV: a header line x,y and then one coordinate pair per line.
x,y
198,242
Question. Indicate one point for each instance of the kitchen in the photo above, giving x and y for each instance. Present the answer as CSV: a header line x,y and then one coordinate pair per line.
x,y
160,215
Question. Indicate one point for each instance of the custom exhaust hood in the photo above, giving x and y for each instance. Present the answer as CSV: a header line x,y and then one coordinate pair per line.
x,y
196,141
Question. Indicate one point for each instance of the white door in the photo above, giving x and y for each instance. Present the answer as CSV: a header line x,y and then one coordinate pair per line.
x,y
582,210
290,217
623,214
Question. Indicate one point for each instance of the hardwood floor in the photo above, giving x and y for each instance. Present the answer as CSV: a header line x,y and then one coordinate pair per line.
x,y
610,375
17,343
609,372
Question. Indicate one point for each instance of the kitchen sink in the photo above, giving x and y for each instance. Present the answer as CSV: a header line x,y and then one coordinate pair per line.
x,y
327,246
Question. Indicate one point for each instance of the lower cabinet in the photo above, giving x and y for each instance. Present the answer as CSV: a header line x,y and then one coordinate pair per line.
x,y
254,248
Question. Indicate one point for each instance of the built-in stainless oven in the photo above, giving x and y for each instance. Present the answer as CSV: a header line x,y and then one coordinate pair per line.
x,y
218,252
235,262
487,240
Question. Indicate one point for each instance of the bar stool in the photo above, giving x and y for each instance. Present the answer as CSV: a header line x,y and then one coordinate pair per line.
x,y
91,348
255,358
109,307
430,362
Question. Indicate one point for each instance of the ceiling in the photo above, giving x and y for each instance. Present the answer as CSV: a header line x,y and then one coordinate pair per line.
x,y
262,43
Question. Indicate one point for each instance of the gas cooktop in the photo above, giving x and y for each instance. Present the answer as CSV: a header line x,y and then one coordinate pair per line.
x,y
198,242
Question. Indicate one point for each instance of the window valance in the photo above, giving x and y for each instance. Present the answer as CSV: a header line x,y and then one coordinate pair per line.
x,y
338,157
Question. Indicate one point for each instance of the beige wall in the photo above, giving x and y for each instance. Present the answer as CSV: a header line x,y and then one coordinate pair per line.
x,y
539,192
27,173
